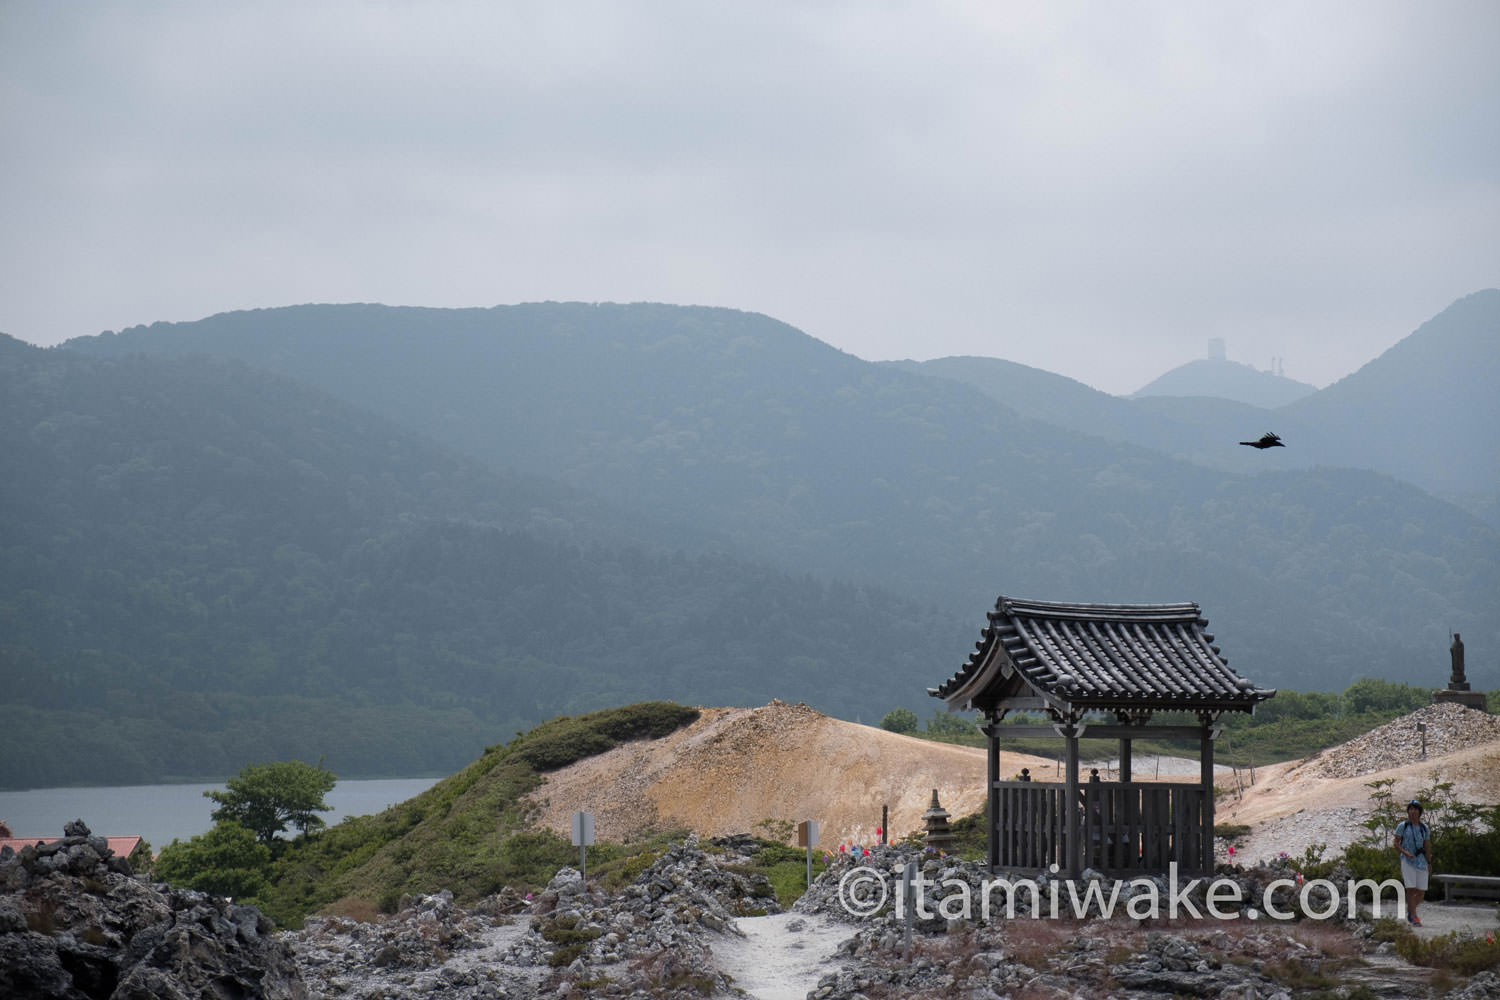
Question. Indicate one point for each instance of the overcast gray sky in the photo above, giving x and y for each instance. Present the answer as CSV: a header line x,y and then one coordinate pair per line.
x,y
1091,188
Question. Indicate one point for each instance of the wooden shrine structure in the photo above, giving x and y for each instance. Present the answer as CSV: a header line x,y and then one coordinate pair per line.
x,y
1100,670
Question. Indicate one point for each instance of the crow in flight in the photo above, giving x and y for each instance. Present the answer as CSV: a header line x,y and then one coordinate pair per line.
x,y
1267,440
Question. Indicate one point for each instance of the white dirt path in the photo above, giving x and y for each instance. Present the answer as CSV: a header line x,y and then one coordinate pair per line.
x,y
781,956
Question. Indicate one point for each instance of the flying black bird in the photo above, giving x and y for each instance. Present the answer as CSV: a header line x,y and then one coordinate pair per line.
x,y
1267,440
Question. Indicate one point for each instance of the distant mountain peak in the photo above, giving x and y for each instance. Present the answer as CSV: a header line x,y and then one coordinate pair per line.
x,y
1227,380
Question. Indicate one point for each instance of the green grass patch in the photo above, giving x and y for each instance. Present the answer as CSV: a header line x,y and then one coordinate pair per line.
x,y
565,740
789,879
1464,954
570,939
785,867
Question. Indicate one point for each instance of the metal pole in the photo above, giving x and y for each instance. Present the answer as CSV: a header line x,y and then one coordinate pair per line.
x,y
1073,865
1205,860
583,861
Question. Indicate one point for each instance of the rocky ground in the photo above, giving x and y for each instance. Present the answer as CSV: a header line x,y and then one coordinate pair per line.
x,y
1449,728
75,924
694,922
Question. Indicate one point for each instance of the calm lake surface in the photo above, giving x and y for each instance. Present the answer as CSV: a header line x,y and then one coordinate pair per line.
x,y
162,813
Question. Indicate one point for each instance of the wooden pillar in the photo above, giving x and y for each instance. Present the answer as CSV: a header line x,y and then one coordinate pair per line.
x,y
1206,776
1125,761
1072,800
996,820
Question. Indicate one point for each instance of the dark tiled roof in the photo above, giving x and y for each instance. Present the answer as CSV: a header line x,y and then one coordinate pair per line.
x,y
1124,656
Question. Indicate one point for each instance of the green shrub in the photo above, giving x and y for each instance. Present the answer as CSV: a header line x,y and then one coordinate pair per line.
x,y
1461,953
1370,695
953,725
971,835
789,878
565,740
228,860
1465,846
571,940
1370,861
532,857
900,720
776,830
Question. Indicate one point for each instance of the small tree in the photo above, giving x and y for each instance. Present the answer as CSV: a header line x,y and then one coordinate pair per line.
x,y
951,724
1371,695
226,861
265,798
900,720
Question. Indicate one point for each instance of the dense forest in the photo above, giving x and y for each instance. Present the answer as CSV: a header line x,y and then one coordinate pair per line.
x,y
390,536
223,564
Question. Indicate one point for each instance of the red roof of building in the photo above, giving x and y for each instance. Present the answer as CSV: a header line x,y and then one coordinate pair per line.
x,y
122,846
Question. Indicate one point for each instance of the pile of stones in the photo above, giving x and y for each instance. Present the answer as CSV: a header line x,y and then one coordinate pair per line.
x,y
429,947
1449,728
655,935
75,924
574,938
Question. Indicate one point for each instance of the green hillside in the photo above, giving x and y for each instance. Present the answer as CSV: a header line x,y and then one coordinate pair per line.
x,y
203,565
1204,430
739,427
467,833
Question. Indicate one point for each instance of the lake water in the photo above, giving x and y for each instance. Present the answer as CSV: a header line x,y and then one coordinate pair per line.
x,y
161,813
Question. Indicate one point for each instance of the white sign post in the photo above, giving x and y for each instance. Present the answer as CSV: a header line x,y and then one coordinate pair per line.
x,y
807,836
583,836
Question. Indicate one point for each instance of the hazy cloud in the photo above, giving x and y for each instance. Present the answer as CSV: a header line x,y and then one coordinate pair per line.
x,y
1090,188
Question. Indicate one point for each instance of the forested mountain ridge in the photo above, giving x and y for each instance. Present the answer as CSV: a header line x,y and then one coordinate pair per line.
x,y
1227,380
203,564
1429,403
1424,411
742,428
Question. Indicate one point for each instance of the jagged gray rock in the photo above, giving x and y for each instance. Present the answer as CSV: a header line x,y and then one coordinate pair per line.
x,y
75,924
653,939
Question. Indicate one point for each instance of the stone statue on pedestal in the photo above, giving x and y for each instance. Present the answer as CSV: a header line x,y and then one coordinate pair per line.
x,y
1457,690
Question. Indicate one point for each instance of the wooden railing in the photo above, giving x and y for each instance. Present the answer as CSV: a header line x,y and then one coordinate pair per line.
x,y
1122,827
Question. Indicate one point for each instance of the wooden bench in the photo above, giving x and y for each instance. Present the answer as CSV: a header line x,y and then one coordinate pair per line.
x,y
1481,886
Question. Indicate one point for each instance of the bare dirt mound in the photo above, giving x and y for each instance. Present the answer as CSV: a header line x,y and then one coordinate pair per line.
x,y
1325,798
736,767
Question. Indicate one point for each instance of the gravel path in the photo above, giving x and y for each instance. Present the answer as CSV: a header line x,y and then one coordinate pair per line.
x,y
781,956
1445,918
1335,828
